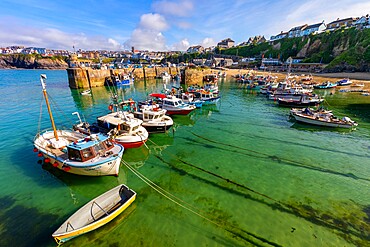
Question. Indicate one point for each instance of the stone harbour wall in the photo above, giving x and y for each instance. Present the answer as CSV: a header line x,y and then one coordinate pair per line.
x,y
80,77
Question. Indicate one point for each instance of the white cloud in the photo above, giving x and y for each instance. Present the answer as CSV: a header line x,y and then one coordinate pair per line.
x,y
314,11
52,38
208,42
181,9
183,45
148,35
154,22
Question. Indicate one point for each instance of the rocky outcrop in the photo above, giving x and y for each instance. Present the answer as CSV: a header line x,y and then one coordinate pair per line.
x,y
20,61
303,51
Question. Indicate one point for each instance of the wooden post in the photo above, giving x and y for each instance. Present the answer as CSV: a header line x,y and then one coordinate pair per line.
x,y
88,78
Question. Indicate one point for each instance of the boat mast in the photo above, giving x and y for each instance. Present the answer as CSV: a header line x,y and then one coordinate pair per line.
x,y
42,78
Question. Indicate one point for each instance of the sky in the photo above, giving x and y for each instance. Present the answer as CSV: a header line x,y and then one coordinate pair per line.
x,y
161,25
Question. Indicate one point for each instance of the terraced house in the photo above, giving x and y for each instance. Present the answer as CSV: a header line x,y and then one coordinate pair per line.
x,y
348,22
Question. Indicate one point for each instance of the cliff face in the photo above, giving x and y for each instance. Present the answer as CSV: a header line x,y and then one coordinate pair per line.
x,y
20,61
343,50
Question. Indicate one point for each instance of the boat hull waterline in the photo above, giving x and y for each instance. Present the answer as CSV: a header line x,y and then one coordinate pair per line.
x,y
319,122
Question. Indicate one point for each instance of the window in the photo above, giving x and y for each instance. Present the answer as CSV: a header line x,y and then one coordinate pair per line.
x,y
99,147
125,127
74,154
87,154
109,144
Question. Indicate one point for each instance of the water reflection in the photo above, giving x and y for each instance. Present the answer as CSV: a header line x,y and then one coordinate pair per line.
x,y
325,92
137,91
136,157
314,128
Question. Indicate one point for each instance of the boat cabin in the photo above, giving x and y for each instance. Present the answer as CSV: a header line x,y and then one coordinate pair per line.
x,y
89,147
152,115
204,95
172,101
121,122
187,97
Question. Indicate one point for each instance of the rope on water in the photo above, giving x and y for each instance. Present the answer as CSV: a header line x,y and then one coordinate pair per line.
x,y
167,194
191,208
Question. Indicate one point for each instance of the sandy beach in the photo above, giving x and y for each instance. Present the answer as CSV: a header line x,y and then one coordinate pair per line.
x,y
357,77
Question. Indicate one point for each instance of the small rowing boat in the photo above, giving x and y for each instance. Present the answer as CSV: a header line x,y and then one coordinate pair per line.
x,y
86,92
95,213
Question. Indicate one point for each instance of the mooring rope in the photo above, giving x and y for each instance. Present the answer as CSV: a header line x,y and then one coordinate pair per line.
x,y
40,116
189,207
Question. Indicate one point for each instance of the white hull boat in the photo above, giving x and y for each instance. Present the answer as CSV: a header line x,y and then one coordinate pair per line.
x,y
326,119
76,153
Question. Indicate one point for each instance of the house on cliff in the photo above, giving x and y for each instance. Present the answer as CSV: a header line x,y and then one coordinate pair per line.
x,y
226,43
297,31
347,22
199,61
362,22
256,40
314,29
195,49
279,36
220,62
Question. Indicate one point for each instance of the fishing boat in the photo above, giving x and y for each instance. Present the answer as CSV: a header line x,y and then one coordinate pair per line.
x,y
306,78
325,85
154,118
358,85
321,118
305,100
95,213
124,81
74,152
172,104
207,97
124,128
344,82
189,99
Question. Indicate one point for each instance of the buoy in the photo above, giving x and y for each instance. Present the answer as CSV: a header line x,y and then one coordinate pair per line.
x,y
66,168
35,150
55,164
39,154
110,107
46,160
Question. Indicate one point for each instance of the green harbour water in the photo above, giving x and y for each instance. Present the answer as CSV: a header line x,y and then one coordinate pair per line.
x,y
258,178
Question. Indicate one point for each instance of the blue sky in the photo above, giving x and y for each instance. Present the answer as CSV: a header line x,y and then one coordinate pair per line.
x,y
159,25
